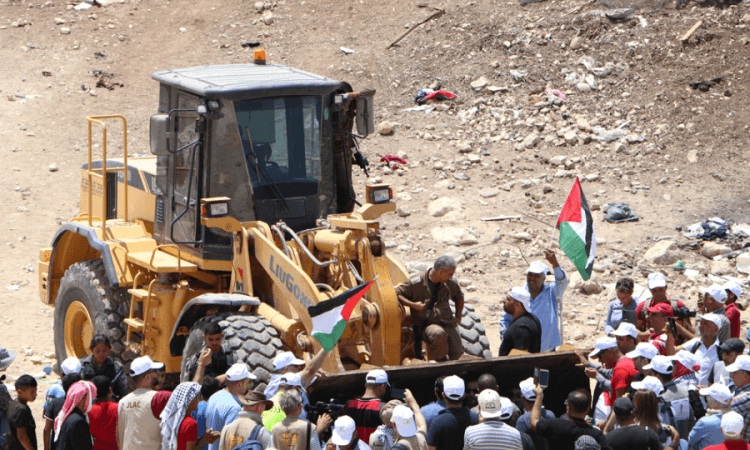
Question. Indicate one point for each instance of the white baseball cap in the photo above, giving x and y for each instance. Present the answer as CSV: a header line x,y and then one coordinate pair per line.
x,y
656,280
239,372
732,424
454,387
718,392
403,419
686,358
733,287
604,343
377,376
741,363
291,379
649,383
645,350
661,364
522,296
490,406
626,329
343,430
716,292
527,389
70,366
711,317
141,365
537,267
285,359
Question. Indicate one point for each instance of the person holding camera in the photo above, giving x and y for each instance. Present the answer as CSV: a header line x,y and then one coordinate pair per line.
x,y
657,285
663,336
712,300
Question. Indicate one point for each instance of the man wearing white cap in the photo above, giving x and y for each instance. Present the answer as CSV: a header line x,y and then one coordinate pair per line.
x,y
675,409
525,332
54,399
446,431
706,347
733,291
730,350
409,425
544,300
365,410
224,406
657,285
740,372
523,424
345,437
286,362
707,430
625,371
714,298
137,427
492,433
428,297
732,425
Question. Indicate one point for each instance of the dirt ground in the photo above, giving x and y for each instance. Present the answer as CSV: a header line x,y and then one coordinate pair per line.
x,y
684,158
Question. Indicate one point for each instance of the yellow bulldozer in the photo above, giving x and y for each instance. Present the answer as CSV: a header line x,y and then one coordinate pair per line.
x,y
244,215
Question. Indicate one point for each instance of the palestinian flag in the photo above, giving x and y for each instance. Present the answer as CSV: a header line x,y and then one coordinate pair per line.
x,y
330,317
576,227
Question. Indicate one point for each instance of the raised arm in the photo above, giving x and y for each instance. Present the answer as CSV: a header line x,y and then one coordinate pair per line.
x,y
536,411
418,416
308,373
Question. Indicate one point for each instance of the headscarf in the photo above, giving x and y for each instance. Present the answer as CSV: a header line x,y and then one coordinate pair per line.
x,y
175,411
78,391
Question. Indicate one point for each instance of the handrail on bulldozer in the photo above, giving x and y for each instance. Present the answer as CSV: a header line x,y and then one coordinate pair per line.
x,y
91,171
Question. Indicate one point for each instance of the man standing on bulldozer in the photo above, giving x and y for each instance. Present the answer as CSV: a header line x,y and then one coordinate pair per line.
x,y
428,295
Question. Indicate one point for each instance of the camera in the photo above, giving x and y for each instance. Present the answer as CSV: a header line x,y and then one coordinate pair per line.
x,y
319,408
684,313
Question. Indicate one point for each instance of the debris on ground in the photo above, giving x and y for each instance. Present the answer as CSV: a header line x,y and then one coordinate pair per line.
x,y
705,86
710,229
619,212
104,79
428,94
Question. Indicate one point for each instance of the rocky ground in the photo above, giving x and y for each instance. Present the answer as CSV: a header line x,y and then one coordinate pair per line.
x,y
624,119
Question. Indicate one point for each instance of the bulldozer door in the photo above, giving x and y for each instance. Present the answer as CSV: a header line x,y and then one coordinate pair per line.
x,y
187,168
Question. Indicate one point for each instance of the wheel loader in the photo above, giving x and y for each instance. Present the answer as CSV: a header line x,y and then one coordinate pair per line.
x,y
245,215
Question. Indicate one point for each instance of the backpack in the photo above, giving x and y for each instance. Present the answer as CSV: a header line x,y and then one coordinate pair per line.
x,y
252,442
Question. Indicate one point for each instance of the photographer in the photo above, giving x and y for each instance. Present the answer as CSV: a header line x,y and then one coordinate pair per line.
x,y
663,336
657,285
712,301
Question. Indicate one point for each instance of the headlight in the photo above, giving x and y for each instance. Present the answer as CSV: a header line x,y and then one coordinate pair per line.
x,y
218,209
380,195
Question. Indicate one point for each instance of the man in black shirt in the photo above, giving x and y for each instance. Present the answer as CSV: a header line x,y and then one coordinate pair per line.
x,y
629,435
53,409
21,434
525,331
220,360
563,433
446,431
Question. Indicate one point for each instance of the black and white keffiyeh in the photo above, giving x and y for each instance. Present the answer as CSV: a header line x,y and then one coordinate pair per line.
x,y
174,413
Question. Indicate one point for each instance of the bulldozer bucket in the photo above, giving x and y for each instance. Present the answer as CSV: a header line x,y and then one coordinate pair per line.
x,y
564,377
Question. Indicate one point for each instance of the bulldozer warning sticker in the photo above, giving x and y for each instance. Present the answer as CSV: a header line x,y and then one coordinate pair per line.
x,y
287,280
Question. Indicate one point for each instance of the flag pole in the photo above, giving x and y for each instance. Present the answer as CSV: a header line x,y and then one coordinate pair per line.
x,y
559,301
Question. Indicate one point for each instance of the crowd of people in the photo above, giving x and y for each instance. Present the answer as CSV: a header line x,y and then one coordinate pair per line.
x,y
660,382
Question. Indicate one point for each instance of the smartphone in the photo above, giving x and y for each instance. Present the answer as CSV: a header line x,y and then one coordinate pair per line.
x,y
398,393
541,376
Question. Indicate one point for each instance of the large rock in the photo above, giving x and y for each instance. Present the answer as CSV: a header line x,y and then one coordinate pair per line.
x,y
441,207
479,84
454,236
743,263
722,267
663,253
711,249
591,287
386,128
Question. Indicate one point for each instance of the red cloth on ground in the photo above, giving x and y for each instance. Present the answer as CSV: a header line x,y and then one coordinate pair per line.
x,y
394,158
623,374
733,314
188,432
103,425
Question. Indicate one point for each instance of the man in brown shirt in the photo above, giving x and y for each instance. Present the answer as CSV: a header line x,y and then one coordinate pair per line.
x,y
293,433
248,424
428,296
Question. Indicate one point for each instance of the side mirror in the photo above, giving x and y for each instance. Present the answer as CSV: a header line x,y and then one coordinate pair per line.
x,y
160,134
365,114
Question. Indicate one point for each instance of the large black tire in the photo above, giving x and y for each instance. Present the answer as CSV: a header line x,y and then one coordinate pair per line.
x,y
472,334
248,337
87,305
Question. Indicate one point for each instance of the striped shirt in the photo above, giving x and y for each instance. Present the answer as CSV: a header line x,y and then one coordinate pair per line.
x,y
741,405
492,435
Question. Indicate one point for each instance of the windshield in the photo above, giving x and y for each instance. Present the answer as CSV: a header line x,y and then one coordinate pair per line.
x,y
281,139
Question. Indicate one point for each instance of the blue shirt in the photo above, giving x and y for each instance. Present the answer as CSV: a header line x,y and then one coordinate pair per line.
x,y
273,388
222,409
614,314
707,431
544,307
431,410
54,391
200,416
524,422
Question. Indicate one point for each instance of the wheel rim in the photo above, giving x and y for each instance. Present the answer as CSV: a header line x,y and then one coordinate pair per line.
x,y
79,329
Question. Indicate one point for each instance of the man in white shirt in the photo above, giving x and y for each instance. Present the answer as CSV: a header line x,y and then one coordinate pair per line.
x,y
706,348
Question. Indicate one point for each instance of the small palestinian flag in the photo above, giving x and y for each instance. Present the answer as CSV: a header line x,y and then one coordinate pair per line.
x,y
576,227
331,316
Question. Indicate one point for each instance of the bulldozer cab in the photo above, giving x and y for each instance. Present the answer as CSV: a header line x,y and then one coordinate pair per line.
x,y
263,135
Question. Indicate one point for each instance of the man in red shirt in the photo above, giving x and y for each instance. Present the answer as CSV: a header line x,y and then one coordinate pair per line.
x,y
103,416
625,370
657,284
733,313
366,410
731,427
662,337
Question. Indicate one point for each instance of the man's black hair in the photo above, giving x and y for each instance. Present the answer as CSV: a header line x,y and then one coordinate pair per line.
x,y
99,339
212,328
578,402
487,381
663,377
209,387
68,380
25,381
439,387
102,383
